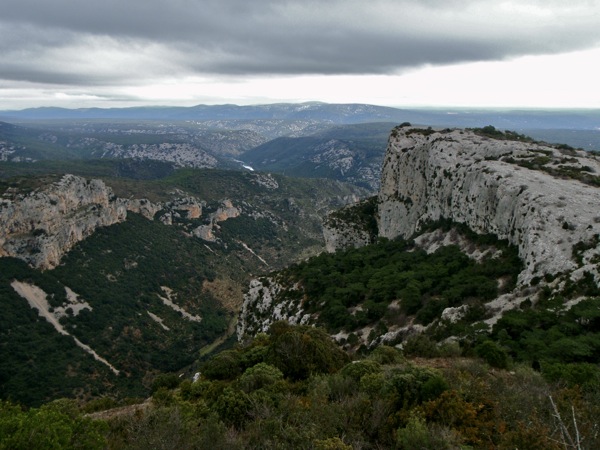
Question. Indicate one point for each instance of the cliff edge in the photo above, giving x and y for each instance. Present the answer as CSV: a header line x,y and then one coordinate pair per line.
x,y
43,225
442,188
543,199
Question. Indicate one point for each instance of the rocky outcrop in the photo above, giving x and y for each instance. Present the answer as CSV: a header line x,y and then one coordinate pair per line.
x,y
541,198
225,211
143,207
351,227
187,208
344,236
263,305
41,226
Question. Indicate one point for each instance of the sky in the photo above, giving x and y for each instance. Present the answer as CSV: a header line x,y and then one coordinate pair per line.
x,y
403,53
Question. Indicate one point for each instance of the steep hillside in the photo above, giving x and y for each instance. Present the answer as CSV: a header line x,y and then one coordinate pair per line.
x,y
476,267
23,144
351,153
473,232
41,226
135,286
384,292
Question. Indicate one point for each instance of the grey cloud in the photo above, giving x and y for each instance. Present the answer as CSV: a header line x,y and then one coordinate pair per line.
x,y
45,41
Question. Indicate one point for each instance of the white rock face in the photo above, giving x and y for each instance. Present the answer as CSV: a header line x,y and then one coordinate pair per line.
x,y
342,235
352,226
262,306
224,212
143,207
482,183
42,226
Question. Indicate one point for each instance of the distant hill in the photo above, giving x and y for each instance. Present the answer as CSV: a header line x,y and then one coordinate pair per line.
x,y
24,144
300,119
352,153
333,113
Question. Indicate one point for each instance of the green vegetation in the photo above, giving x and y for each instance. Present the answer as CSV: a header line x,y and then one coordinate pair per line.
x,y
314,156
58,425
550,336
354,288
361,216
507,135
293,387
97,168
556,167
120,272
583,174
423,131
563,165
381,401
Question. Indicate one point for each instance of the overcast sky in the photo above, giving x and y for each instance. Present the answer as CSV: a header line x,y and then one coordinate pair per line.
x,y
83,53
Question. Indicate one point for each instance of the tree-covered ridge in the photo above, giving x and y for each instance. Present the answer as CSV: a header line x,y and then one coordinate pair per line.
x,y
491,131
123,271
294,388
120,272
394,288
384,284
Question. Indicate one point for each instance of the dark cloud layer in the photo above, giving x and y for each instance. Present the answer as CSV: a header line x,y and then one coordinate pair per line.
x,y
109,41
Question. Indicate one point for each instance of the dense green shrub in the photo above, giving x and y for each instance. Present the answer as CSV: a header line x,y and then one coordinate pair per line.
x,y
302,351
357,369
57,425
168,381
574,374
382,401
384,354
546,335
260,376
418,434
223,366
493,354
420,345
374,276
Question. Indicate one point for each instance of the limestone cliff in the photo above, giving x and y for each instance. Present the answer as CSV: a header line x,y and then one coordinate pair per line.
x,y
225,211
543,199
41,226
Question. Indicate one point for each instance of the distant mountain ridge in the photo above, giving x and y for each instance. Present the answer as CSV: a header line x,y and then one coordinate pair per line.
x,y
334,113
579,128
